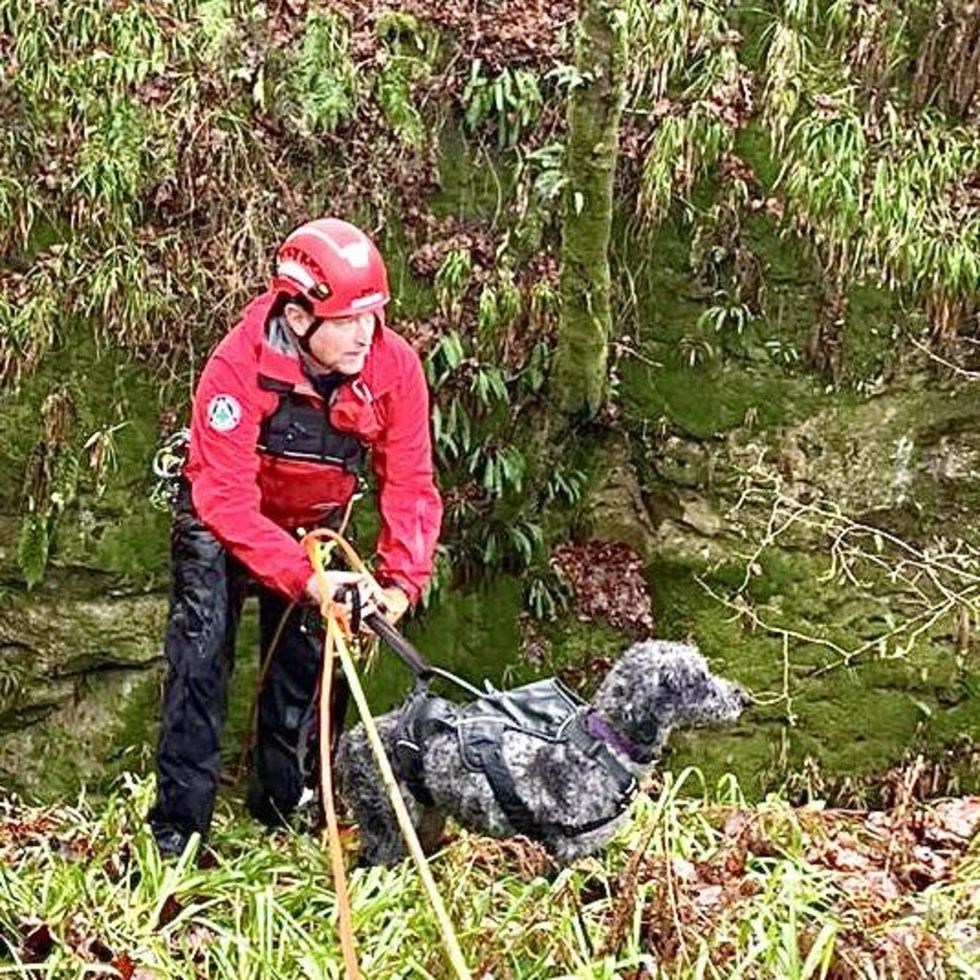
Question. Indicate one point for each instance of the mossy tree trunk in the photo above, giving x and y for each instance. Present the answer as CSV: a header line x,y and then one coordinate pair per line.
x,y
825,346
580,377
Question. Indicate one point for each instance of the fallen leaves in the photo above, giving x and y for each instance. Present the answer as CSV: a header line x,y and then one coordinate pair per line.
x,y
875,872
608,581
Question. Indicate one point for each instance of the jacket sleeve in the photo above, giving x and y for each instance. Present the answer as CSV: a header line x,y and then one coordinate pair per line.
x,y
410,505
223,471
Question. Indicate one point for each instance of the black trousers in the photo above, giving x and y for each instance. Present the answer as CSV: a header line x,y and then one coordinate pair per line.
x,y
207,592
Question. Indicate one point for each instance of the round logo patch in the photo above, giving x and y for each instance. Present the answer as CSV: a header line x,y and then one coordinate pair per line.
x,y
224,413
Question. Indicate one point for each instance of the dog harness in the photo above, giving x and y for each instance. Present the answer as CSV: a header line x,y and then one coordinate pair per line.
x,y
545,710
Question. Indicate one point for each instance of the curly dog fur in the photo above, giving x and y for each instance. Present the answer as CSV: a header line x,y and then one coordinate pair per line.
x,y
653,688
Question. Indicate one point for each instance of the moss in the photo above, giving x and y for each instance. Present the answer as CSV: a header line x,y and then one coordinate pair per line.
x,y
135,545
707,401
854,722
755,373
111,524
411,297
870,332
753,144
472,183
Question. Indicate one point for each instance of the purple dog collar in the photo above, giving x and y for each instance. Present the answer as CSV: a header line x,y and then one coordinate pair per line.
x,y
596,725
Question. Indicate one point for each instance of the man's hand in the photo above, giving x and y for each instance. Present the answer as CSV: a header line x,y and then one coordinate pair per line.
x,y
394,604
338,588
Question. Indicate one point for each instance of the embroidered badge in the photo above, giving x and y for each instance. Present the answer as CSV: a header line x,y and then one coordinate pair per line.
x,y
224,413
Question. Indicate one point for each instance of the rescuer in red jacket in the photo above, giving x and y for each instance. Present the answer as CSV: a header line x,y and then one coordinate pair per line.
x,y
287,406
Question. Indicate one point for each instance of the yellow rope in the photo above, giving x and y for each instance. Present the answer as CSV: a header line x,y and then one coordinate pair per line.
x,y
330,649
253,713
336,644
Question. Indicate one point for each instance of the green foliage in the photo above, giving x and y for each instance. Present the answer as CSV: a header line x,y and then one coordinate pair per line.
x,y
395,97
511,102
879,189
566,485
28,323
547,595
687,144
406,69
498,308
33,546
726,319
324,80
483,469
453,280
110,172
217,27
698,884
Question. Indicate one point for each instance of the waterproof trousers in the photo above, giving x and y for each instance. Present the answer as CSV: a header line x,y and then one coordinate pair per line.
x,y
207,592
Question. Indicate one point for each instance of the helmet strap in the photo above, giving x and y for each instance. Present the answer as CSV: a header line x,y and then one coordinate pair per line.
x,y
304,341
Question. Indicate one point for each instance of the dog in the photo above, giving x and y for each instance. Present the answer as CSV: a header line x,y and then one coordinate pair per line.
x,y
569,792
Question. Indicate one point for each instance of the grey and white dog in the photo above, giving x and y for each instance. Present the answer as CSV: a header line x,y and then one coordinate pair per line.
x,y
653,688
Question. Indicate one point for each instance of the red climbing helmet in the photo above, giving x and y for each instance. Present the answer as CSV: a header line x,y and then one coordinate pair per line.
x,y
335,266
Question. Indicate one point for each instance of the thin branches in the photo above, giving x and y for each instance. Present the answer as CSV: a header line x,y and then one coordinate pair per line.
x,y
929,586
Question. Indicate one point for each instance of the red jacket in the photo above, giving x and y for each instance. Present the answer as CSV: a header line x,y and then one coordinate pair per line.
x,y
249,499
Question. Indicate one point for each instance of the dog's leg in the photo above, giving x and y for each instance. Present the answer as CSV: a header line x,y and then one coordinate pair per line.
x,y
565,850
429,821
364,790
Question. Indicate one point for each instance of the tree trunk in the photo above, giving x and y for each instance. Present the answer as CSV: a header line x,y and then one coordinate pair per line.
x,y
825,347
595,105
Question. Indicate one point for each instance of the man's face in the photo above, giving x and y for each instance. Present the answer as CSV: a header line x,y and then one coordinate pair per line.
x,y
341,344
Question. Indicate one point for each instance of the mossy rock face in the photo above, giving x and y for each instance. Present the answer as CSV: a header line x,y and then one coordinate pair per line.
x,y
905,459
855,721
91,727
912,452
614,510
64,636
72,662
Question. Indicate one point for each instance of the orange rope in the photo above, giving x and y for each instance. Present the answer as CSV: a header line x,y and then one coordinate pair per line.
x,y
336,626
337,629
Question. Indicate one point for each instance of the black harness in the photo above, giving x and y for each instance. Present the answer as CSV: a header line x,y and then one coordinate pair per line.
x,y
300,429
546,710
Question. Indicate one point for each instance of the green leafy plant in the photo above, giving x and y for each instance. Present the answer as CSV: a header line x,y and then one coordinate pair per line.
x,y
512,100
323,79
453,280
726,318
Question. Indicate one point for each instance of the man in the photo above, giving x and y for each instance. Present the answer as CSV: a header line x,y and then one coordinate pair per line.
x,y
286,407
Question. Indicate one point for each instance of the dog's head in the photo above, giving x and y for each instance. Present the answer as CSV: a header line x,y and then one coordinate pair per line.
x,y
657,685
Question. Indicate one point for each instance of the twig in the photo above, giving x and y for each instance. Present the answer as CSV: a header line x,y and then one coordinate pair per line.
x,y
956,369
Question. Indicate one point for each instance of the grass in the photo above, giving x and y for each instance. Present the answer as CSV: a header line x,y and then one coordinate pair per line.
x,y
697,885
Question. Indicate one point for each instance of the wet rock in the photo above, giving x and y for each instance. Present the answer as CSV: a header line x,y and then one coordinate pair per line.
x,y
47,643
698,513
615,510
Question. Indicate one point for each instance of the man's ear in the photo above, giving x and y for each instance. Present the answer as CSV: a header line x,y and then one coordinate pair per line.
x,y
297,318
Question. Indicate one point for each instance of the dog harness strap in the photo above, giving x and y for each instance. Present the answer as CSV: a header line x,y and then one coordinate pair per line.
x,y
596,725
482,745
421,716
589,741
504,790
